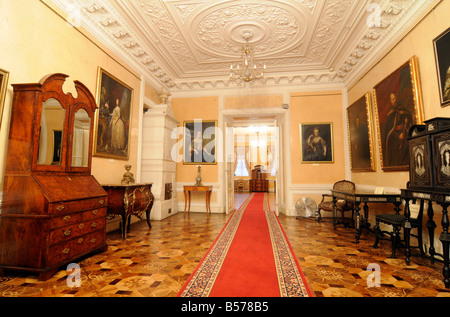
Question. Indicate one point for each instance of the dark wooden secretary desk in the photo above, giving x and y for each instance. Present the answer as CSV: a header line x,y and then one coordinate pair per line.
x,y
53,209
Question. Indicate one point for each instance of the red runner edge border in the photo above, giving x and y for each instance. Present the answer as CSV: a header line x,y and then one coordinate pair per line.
x,y
291,279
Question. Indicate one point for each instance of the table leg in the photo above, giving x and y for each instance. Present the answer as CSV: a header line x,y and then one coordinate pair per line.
x,y
431,225
358,221
366,215
208,201
407,232
185,201
147,213
334,212
189,194
124,226
445,239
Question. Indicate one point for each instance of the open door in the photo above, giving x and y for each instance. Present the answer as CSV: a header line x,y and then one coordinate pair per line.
x,y
229,168
279,166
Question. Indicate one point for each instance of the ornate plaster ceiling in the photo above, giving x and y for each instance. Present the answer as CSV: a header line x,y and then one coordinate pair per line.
x,y
190,44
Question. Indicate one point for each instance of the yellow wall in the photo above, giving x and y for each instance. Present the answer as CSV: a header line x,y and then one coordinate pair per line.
x,y
36,41
190,109
152,94
254,102
419,42
317,107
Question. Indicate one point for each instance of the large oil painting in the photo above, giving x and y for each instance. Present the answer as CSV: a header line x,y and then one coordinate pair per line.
x,y
113,118
398,105
442,52
359,121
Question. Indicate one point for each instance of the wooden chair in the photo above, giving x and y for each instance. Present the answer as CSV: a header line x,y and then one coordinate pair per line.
x,y
397,221
240,185
342,206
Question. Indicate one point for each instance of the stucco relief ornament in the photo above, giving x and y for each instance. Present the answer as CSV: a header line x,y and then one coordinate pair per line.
x,y
164,95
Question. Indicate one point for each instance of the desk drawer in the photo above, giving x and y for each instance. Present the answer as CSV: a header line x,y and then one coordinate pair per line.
x,y
78,205
76,230
75,247
73,218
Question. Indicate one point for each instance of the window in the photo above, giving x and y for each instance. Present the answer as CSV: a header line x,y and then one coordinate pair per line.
x,y
241,170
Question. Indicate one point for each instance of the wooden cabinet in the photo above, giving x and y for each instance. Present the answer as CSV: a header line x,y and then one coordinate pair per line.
x,y
128,200
259,182
53,209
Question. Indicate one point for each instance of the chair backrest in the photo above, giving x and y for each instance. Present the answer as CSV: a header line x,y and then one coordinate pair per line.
x,y
345,185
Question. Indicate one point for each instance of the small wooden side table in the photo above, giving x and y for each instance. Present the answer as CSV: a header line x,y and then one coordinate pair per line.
x,y
187,196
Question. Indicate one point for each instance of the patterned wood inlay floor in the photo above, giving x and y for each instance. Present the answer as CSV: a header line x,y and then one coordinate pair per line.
x,y
157,262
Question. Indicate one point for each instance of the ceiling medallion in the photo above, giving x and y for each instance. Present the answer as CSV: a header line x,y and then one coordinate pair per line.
x,y
247,70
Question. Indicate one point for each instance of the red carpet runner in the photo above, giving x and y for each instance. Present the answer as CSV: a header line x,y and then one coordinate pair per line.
x,y
250,258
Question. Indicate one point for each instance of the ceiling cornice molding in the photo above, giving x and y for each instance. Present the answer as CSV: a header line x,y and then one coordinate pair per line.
x,y
333,51
400,31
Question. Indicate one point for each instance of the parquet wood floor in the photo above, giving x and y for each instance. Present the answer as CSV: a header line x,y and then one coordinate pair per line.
x,y
157,262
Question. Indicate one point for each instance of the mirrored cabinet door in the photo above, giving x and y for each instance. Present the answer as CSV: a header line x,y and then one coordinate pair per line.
x,y
51,134
80,139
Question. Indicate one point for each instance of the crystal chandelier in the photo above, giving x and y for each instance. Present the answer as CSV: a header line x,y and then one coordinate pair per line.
x,y
247,70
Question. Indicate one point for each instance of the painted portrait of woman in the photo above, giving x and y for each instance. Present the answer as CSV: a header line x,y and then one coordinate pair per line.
x,y
316,142
112,127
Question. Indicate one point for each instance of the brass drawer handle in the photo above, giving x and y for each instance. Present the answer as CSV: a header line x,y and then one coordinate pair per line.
x,y
66,250
95,212
59,208
80,240
81,226
67,233
101,201
94,224
93,240
66,218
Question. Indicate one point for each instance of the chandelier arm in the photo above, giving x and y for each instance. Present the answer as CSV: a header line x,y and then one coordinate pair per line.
x,y
247,70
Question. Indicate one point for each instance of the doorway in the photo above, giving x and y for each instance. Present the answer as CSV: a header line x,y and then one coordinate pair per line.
x,y
252,140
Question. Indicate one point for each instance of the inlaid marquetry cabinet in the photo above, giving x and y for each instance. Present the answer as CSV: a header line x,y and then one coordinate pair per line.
x,y
53,209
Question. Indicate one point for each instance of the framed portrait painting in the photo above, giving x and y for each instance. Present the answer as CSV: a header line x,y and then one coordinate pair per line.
x,y
113,118
4,75
398,104
359,121
200,142
316,142
441,50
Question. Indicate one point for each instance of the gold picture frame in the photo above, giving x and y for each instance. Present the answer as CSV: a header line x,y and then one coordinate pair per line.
x,y
203,134
360,135
113,117
4,76
316,143
398,106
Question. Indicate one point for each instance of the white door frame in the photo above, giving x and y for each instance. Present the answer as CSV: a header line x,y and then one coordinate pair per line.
x,y
226,119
